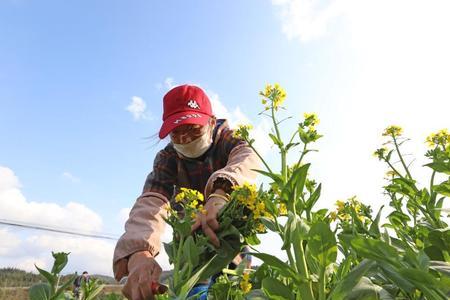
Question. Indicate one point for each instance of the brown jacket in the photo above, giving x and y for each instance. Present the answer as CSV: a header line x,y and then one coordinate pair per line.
x,y
146,220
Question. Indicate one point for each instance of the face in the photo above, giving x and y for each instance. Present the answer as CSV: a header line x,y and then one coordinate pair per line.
x,y
186,133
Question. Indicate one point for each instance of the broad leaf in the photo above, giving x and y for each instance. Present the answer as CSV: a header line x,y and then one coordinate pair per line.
x,y
276,290
322,244
344,286
40,291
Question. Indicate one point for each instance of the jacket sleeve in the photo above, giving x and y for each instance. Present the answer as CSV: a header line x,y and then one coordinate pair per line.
x,y
239,167
146,224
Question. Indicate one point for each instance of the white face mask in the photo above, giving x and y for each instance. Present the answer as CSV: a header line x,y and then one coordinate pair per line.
x,y
196,148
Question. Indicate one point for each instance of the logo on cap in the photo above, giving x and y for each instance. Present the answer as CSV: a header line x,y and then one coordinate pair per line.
x,y
193,104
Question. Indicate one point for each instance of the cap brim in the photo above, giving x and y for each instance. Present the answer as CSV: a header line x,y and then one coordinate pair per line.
x,y
186,117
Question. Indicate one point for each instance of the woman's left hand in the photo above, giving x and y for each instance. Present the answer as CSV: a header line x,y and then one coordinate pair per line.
x,y
209,221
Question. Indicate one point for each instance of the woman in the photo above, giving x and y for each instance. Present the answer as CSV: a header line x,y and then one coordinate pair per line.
x,y
203,155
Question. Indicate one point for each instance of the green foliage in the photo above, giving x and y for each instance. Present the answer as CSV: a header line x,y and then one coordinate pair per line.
x,y
53,289
410,261
90,289
12,277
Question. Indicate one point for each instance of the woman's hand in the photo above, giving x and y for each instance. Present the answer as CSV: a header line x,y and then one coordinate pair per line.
x,y
209,221
144,271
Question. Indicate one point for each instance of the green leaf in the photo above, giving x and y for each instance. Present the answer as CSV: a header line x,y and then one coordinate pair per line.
x,y
417,260
275,177
398,219
376,250
288,228
291,145
374,229
190,252
322,244
277,264
256,295
168,247
393,274
40,291
367,290
408,186
441,167
295,183
276,141
65,285
51,279
61,259
252,240
229,247
434,253
313,198
187,286
345,286
276,290
443,188
269,224
440,238
424,281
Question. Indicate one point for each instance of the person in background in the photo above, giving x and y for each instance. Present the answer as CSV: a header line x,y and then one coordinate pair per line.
x,y
202,154
77,283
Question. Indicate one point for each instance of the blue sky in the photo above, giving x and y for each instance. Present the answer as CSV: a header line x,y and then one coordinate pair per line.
x,y
69,70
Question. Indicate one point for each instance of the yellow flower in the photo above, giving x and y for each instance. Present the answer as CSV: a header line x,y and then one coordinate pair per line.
x,y
201,209
333,215
442,137
311,120
179,197
242,132
393,131
261,228
245,284
390,174
380,153
276,94
340,204
361,218
190,197
282,209
193,215
344,217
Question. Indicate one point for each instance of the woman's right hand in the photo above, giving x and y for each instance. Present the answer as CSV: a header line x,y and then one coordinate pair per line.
x,y
143,271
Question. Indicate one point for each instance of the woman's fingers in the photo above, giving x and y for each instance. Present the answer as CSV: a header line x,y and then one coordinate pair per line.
x,y
197,223
209,232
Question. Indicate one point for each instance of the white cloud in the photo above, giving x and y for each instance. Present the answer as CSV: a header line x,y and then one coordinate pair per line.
x,y
138,108
22,248
9,243
169,83
308,19
398,54
70,177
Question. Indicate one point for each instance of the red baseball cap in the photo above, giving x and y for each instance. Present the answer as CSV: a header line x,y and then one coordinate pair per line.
x,y
184,104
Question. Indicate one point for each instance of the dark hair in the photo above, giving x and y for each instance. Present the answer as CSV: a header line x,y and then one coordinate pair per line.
x,y
85,272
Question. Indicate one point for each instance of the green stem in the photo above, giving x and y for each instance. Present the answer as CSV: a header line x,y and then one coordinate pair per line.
x,y
393,168
301,156
177,263
288,250
401,157
322,284
260,157
305,288
282,150
432,183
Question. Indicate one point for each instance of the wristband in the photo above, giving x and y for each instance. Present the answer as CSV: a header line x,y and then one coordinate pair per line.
x,y
218,196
